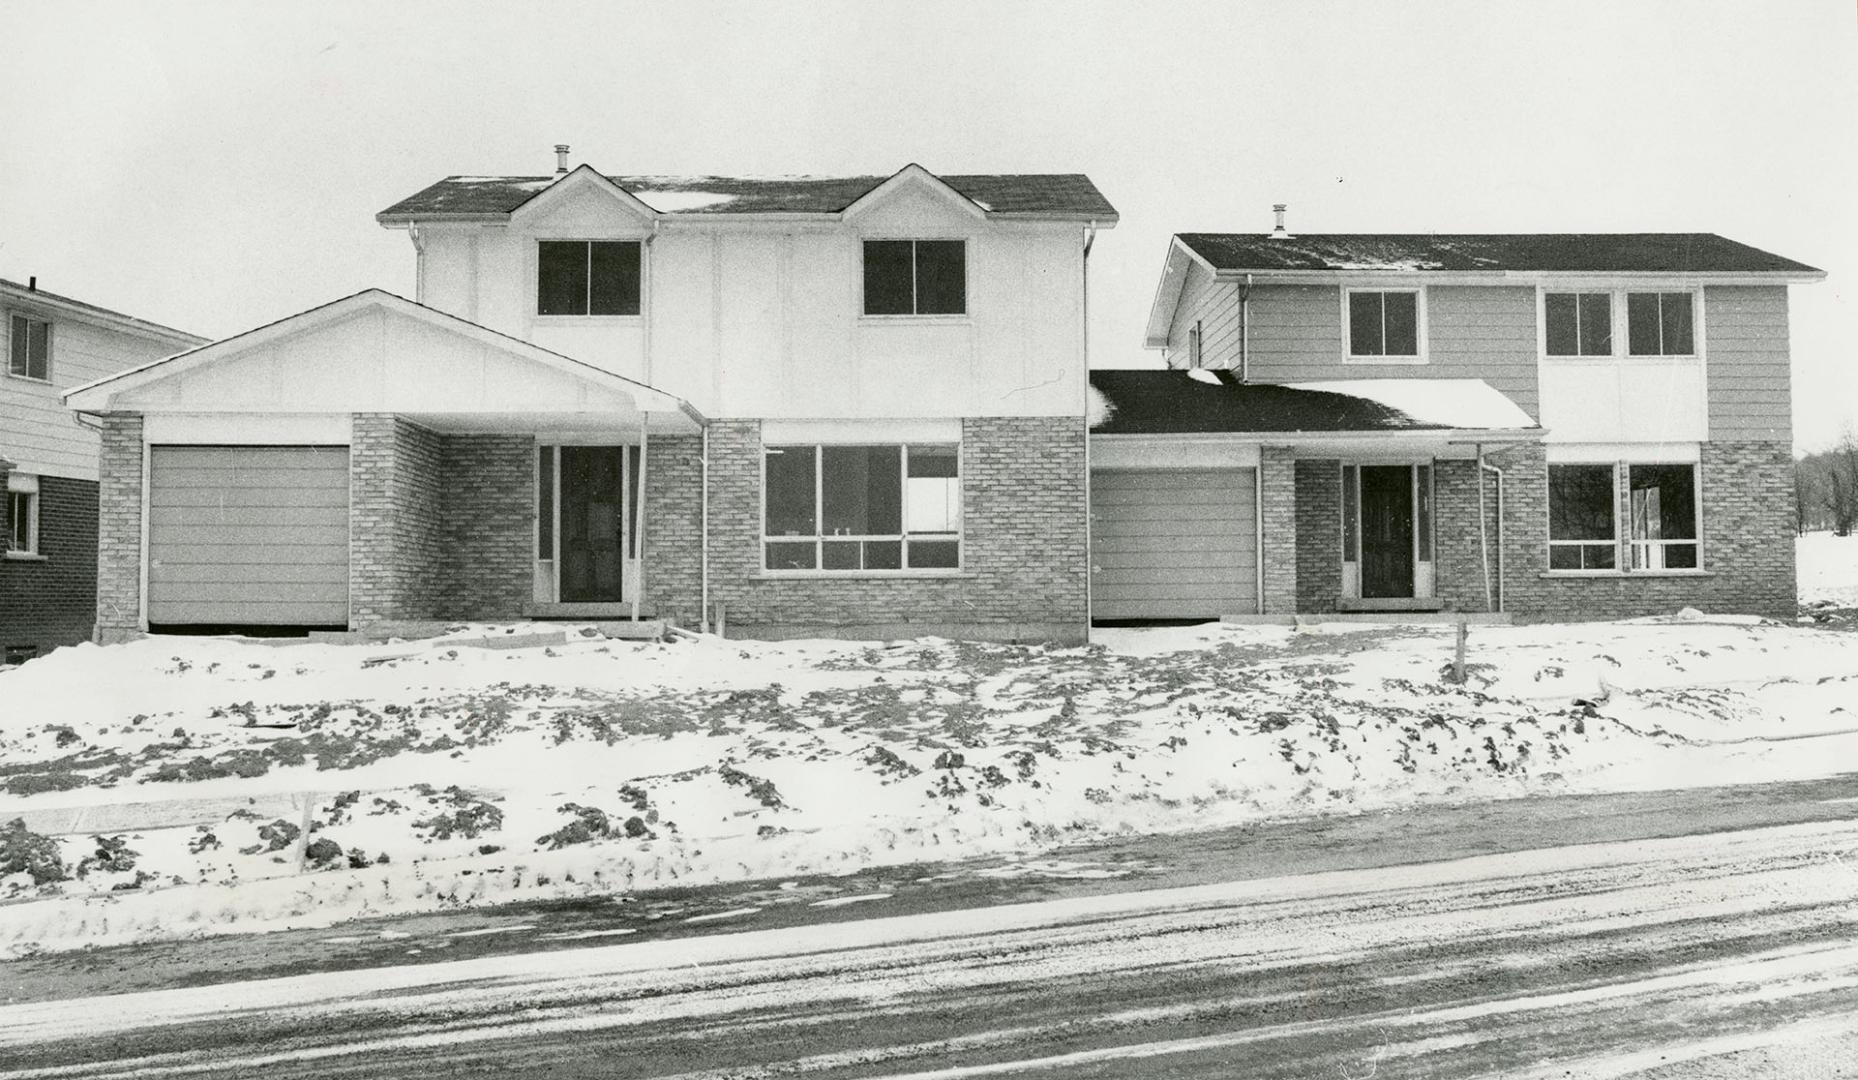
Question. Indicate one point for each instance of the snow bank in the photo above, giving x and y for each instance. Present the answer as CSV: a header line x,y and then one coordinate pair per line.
x,y
1828,569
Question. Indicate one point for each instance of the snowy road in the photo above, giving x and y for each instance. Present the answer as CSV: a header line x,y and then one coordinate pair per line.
x,y
1631,958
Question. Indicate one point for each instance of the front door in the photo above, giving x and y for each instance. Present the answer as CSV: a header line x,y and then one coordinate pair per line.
x,y
593,526
1386,530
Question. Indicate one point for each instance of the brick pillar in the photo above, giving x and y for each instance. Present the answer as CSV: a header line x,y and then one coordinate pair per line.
x,y
1277,479
119,529
1319,533
372,579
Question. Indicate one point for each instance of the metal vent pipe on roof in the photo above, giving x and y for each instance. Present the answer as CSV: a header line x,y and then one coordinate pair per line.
x,y
1279,233
561,158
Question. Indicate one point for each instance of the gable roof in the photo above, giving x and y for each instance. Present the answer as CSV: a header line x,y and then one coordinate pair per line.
x,y
487,198
1177,402
1674,253
104,316
95,396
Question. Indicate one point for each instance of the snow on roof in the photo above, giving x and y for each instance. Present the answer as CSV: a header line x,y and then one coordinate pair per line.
x,y
1098,409
1452,403
671,202
1525,252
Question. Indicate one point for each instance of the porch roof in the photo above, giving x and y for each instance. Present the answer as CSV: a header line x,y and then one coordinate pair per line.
x,y
1203,402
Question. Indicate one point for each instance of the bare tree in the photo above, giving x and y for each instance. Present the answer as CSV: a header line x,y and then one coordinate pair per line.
x,y
1841,479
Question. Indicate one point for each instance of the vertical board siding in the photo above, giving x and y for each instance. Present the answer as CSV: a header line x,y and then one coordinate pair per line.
x,y
248,534
1745,340
1173,544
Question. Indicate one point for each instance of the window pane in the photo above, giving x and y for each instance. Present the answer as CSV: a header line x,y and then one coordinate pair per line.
x,y
1561,313
561,277
790,478
888,287
861,490
39,350
615,282
787,555
1564,557
16,339
1422,519
1642,324
545,503
1680,556
840,555
883,554
935,554
1676,309
1596,324
934,489
1364,324
941,277
1402,314
1580,502
932,461
1664,502
1599,556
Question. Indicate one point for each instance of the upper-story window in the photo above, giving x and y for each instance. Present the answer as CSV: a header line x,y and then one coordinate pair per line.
x,y
30,354
1661,323
915,277
1578,323
1384,324
587,277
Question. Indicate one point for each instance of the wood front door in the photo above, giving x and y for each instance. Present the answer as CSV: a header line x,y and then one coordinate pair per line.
x,y
593,526
1386,530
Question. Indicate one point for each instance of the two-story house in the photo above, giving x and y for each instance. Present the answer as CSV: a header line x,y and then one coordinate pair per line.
x,y
844,406
1549,426
48,460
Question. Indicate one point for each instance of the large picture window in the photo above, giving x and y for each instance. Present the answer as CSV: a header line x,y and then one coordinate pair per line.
x,y
915,277
867,507
587,277
1663,499
1581,534
1383,323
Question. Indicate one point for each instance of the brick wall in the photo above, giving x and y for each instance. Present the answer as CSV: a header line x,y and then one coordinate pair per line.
x,y
1319,534
487,570
394,541
1459,552
52,601
1025,527
1277,480
119,528
1747,497
673,572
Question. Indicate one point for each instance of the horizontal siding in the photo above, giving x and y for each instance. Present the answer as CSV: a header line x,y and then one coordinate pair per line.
x,y
1745,341
248,535
1172,544
37,431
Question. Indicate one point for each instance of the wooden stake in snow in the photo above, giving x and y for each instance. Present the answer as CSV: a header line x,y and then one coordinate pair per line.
x,y
303,830
1464,631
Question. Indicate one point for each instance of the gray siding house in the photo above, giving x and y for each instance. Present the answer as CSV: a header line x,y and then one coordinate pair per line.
x,y
1552,426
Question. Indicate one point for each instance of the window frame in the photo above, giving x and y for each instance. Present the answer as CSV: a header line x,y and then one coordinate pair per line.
x,y
22,491
913,315
1421,352
1625,547
30,318
1620,312
1636,548
903,537
535,277
1625,303
1612,323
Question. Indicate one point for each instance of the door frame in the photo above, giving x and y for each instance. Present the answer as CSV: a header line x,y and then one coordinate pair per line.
x,y
1422,488
547,587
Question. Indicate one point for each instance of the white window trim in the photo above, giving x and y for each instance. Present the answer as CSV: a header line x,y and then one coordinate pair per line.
x,y
967,283
1425,571
535,280
50,347
27,486
1421,356
1622,524
818,538
1612,315
1618,311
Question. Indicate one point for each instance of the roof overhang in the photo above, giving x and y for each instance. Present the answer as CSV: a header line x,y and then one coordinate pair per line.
x,y
112,320
1556,278
1180,259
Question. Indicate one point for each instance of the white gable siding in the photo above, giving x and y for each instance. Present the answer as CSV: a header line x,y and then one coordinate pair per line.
x,y
37,433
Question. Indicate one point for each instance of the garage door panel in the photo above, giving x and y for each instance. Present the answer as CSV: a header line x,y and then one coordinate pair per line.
x,y
248,535
1173,544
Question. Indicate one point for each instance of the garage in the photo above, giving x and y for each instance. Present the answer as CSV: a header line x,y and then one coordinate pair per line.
x,y
1173,543
248,536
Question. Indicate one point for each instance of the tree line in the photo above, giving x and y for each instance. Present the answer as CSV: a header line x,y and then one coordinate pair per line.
x,y
1825,488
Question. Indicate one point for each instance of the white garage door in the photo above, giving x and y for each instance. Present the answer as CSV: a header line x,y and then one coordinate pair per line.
x,y
1173,544
254,535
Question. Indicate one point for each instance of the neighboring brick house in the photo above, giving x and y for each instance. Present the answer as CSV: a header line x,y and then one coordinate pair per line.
x,y
1616,404
842,406
48,459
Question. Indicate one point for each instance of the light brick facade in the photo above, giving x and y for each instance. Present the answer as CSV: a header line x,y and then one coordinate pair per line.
x,y
119,529
1319,534
1277,485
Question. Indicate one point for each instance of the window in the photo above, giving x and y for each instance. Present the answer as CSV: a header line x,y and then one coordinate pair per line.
x,y
881,507
1579,324
1660,324
1581,517
22,515
1193,345
1383,323
587,277
31,348
915,277
1664,516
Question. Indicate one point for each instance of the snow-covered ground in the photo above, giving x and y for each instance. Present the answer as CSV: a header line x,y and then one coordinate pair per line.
x,y
163,787
1828,569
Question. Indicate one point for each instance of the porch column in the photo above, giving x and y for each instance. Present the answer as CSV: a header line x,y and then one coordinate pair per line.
x,y
121,537
1277,486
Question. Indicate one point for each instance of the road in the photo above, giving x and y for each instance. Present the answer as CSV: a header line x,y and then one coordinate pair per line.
x,y
1676,934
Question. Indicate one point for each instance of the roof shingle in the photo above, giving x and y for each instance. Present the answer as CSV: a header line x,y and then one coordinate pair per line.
x,y
1551,252
1152,401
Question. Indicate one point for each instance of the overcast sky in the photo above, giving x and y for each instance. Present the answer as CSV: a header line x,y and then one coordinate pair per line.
x,y
216,166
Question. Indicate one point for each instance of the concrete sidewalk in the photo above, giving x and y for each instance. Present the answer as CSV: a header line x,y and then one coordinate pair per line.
x,y
169,814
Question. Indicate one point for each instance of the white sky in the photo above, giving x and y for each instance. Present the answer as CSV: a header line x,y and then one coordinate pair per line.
x,y
218,165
